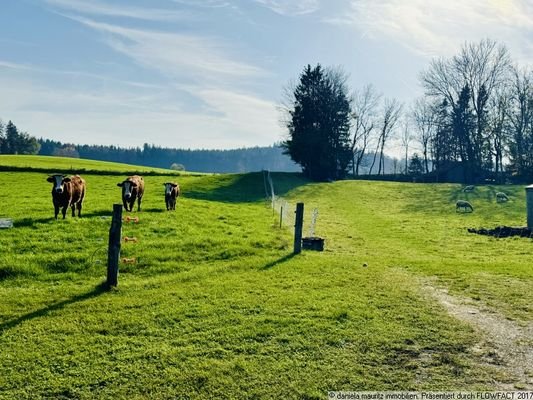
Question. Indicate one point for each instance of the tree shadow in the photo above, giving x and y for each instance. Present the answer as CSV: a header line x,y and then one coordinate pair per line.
x,y
96,291
30,222
99,213
459,194
246,188
281,260
155,210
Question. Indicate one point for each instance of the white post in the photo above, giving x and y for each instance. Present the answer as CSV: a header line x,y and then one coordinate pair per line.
x,y
529,205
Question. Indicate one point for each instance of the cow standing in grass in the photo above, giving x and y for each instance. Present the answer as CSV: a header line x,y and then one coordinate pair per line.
x,y
132,188
172,192
67,192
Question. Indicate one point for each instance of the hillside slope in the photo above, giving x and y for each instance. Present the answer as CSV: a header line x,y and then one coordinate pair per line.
x,y
60,164
215,305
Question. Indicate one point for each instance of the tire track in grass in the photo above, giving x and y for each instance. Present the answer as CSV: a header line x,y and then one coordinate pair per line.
x,y
505,346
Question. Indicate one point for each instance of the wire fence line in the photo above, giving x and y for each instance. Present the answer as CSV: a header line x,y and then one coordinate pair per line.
x,y
280,205
284,208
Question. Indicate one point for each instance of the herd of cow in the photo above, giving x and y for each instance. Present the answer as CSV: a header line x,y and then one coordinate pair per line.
x,y
70,192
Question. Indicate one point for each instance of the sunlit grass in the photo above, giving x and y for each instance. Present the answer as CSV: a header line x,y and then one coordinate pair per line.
x,y
215,305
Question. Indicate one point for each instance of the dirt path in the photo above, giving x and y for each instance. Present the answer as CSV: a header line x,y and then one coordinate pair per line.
x,y
506,345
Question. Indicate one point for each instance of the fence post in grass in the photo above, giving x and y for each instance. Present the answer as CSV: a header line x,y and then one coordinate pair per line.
x,y
298,227
529,205
280,217
113,252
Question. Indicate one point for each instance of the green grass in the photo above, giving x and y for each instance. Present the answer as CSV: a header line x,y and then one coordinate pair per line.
x,y
216,307
74,165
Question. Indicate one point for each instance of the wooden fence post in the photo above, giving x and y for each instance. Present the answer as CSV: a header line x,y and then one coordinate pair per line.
x,y
298,227
529,205
113,252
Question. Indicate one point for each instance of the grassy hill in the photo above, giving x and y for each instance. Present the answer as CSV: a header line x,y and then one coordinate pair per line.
x,y
215,305
72,165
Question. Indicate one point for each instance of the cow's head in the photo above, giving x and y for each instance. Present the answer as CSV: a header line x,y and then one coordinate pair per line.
x,y
127,188
58,181
168,187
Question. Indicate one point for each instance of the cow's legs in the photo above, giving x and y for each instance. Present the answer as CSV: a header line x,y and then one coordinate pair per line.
x,y
78,206
73,208
138,203
64,211
125,203
56,211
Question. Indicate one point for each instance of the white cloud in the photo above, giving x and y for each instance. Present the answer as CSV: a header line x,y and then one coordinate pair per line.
x,y
291,7
177,55
436,27
130,116
204,97
245,113
100,8
205,3
15,66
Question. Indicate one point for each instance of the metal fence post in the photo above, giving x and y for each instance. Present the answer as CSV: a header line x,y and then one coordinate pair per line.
x,y
529,205
113,252
298,227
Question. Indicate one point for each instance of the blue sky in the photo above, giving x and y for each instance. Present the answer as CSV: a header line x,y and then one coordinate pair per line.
x,y
211,73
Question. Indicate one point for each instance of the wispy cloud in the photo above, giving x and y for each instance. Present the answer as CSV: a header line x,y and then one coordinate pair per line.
x,y
244,112
291,7
194,90
15,66
206,3
135,116
73,73
177,55
100,8
435,27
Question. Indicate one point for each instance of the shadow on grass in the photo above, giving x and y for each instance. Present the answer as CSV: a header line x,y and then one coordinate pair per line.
x,y
43,312
155,210
246,188
278,261
31,222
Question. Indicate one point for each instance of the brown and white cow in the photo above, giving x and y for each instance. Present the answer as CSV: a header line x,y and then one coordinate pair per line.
x,y
67,192
172,192
132,188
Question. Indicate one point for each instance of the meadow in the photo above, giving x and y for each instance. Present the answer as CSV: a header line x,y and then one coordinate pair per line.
x,y
216,306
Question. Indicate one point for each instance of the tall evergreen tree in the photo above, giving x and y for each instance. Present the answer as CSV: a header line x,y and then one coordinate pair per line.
x,y
463,126
2,139
416,168
11,138
319,124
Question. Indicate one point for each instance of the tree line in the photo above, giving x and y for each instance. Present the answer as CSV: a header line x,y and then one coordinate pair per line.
x,y
13,141
220,161
473,124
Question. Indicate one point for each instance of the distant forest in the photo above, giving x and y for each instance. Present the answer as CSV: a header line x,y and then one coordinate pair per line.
x,y
14,141
221,161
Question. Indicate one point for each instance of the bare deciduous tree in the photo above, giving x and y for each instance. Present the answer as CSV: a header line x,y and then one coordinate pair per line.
x,y
390,114
425,118
364,106
481,68
520,115
406,137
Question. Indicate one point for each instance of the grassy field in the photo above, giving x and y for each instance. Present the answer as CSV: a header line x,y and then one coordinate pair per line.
x,y
74,165
216,307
